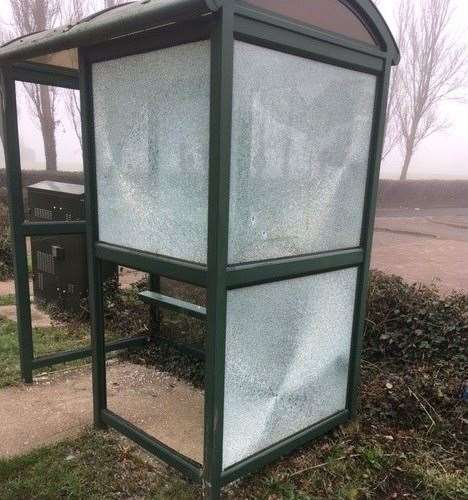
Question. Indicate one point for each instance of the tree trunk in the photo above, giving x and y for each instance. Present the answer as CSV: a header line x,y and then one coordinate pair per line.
x,y
48,130
409,151
406,164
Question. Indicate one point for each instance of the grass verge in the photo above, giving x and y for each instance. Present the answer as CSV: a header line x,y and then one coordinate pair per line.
x,y
7,300
94,466
46,341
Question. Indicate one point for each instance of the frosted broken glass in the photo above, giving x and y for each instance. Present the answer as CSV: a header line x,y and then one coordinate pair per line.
x,y
287,357
300,150
151,115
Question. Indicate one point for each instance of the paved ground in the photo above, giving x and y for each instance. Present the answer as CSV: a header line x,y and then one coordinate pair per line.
x,y
39,318
442,228
60,406
422,212
7,287
426,247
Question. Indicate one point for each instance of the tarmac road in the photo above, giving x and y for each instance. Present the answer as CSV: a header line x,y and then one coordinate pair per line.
x,y
422,212
427,245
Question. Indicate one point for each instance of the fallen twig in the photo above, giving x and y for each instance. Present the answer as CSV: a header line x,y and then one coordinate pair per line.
x,y
320,465
423,407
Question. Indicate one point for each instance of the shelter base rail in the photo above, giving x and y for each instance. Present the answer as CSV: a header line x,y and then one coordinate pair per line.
x,y
64,357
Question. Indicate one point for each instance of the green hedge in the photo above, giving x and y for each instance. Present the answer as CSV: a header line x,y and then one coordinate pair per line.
x,y
415,322
6,256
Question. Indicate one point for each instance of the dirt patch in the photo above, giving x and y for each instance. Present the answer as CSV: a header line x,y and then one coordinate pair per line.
x,y
162,406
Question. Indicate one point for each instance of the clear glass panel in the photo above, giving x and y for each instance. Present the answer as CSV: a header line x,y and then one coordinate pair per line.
x,y
181,329
49,126
184,291
59,293
155,386
330,15
301,135
125,315
152,150
287,356
421,226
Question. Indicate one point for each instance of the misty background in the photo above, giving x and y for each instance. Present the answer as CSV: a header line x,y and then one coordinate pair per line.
x,y
443,155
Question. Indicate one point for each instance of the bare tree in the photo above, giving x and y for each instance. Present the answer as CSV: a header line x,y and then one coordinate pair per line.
x,y
1,101
72,106
392,131
71,12
113,3
29,16
393,136
432,71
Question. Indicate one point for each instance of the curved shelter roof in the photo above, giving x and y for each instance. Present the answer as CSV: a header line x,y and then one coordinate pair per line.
x,y
358,20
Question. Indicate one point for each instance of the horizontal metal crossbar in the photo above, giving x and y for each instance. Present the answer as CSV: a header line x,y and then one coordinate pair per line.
x,y
64,357
170,456
42,74
266,272
195,274
53,228
167,302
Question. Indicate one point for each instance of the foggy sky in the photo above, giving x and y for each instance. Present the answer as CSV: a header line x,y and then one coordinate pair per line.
x,y
443,155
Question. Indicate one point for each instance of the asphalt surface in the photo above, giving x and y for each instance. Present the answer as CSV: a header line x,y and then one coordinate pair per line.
x,y
427,246
422,212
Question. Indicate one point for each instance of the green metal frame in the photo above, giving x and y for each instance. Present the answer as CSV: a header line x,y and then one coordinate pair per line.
x,y
99,252
229,21
21,229
280,34
217,276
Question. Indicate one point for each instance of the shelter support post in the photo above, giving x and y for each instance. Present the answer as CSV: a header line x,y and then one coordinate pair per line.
x,y
16,210
222,63
377,140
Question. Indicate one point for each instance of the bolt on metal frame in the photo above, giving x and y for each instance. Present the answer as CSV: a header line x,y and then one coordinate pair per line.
x,y
226,22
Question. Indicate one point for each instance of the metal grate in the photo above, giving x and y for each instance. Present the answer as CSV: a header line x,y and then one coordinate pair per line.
x,y
41,213
40,281
45,262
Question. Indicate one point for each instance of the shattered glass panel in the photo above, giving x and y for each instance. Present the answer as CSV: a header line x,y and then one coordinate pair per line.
x,y
300,150
287,356
152,141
